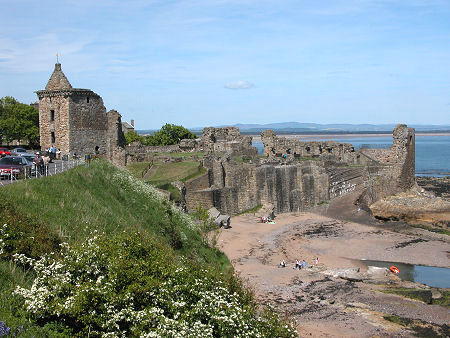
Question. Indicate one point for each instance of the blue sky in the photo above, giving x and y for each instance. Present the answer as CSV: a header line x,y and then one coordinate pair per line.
x,y
218,62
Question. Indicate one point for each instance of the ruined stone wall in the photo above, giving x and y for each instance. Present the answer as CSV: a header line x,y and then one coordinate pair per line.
x,y
343,180
197,190
403,147
235,187
398,173
278,146
205,198
115,139
227,139
137,148
88,123
290,184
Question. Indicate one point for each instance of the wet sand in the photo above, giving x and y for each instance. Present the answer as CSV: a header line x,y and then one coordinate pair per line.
x,y
325,306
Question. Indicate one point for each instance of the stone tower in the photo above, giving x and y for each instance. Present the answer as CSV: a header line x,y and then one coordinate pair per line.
x,y
71,119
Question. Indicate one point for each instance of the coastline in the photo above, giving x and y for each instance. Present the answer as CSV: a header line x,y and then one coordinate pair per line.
x,y
318,136
324,304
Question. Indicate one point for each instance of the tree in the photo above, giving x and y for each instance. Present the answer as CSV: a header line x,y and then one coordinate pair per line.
x,y
169,134
18,121
133,136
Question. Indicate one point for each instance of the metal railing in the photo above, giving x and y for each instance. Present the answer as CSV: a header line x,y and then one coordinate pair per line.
x,y
44,170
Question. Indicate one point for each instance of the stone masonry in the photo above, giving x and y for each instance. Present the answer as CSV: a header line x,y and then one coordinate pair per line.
x,y
76,122
309,174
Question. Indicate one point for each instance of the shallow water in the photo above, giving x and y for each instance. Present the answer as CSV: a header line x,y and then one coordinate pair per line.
x,y
428,275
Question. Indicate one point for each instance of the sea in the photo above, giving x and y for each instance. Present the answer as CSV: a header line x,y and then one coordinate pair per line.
x,y
432,151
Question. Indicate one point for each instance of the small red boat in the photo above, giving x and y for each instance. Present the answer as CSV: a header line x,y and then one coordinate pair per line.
x,y
394,269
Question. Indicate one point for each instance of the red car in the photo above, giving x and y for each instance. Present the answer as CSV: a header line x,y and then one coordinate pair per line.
x,y
14,165
4,152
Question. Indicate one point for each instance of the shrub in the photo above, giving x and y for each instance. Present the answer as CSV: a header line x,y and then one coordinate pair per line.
x,y
20,234
130,284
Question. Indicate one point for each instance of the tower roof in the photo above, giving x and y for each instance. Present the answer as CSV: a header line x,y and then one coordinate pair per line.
x,y
58,80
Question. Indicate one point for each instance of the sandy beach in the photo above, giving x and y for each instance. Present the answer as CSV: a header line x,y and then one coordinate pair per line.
x,y
323,305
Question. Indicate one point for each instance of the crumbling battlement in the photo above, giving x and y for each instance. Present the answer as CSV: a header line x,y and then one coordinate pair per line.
x,y
227,139
278,146
294,183
213,140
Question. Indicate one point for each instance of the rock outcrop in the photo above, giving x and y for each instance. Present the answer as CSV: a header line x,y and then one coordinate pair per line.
x,y
413,207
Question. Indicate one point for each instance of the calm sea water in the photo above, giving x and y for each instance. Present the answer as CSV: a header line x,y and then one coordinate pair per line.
x,y
432,152
429,275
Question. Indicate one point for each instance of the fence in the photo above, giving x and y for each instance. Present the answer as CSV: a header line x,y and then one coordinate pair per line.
x,y
33,172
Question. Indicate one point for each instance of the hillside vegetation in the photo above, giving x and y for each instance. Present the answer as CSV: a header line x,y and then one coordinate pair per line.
x,y
161,174
96,252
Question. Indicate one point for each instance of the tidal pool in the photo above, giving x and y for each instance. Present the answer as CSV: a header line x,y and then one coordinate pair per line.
x,y
428,275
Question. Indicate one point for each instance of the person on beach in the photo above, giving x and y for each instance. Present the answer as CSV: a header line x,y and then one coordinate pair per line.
x,y
317,260
297,264
282,264
303,264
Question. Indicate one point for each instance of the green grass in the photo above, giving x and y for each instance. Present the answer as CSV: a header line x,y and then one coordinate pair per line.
x,y
444,300
138,169
72,204
306,158
169,172
41,213
437,230
243,159
199,154
175,194
200,172
417,294
419,327
251,210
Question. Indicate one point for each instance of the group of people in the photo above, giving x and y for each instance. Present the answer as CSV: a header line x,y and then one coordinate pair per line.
x,y
53,152
299,264
266,220
41,161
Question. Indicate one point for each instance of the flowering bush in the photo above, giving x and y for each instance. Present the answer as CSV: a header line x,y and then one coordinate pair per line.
x,y
133,285
4,330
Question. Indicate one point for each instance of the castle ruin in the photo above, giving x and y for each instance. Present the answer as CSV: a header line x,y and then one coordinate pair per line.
x,y
296,176
76,122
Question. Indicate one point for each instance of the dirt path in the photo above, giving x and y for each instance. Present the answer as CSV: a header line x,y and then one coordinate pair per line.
x,y
325,306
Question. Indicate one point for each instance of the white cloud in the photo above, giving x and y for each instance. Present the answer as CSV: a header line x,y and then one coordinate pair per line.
x,y
239,85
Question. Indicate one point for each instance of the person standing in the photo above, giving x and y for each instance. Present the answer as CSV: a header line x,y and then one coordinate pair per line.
x,y
38,164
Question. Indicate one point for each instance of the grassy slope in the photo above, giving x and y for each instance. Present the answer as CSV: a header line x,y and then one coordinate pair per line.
x,y
169,172
83,199
69,206
165,173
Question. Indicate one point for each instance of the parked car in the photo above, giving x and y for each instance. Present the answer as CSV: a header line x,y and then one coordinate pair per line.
x,y
12,165
4,152
29,157
19,150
